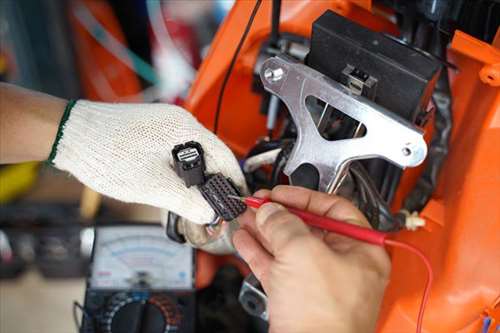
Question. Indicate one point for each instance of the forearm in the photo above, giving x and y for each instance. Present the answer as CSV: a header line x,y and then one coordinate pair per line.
x,y
28,124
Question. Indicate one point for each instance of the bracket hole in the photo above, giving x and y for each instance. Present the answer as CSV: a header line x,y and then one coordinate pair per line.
x,y
306,175
406,151
331,123
251,305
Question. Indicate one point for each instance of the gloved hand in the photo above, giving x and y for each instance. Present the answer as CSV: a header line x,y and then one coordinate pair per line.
x,y
124,151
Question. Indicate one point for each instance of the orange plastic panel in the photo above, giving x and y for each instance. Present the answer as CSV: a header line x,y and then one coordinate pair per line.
x,y
103,76
489,55
240,124
462,235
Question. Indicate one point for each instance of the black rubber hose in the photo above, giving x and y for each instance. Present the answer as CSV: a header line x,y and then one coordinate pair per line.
x,y
443,122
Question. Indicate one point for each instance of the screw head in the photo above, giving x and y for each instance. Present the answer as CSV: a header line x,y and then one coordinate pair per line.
x,y
273,75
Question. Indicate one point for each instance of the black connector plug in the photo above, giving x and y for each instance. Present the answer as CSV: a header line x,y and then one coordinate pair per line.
x,y
189,163
216,190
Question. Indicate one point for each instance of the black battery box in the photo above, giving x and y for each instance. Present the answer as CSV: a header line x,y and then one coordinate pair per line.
x,y
405,76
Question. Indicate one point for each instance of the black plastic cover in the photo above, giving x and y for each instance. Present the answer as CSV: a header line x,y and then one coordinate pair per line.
x,y
405,76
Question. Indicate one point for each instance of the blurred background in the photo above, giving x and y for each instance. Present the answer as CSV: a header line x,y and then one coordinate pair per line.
x,y
107,50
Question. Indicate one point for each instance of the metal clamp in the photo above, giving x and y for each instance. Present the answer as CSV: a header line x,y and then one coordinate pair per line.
x,y
252,298
387,135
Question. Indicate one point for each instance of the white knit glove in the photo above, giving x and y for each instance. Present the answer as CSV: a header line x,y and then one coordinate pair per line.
x,y
124,151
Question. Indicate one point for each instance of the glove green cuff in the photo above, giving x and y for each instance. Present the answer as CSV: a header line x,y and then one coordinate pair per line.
x,y
65,117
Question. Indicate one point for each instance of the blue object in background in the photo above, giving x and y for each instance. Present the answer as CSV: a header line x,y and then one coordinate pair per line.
x,y
221,8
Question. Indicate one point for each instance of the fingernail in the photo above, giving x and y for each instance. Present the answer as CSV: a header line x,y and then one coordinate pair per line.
x,y
262,194
265,211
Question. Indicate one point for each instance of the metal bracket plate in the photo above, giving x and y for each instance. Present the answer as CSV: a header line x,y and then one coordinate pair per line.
x,y
387,135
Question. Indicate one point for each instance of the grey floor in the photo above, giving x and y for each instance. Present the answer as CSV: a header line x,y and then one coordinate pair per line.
x,y
32,304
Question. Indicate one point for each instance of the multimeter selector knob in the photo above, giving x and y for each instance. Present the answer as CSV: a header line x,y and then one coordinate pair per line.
x,y
139,317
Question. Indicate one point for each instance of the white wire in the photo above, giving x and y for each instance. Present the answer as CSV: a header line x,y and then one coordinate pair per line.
x,y
103,87
5,248
253,163
160,31
115,47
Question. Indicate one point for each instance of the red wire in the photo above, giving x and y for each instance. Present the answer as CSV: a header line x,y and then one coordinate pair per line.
x,y
362,234
427,289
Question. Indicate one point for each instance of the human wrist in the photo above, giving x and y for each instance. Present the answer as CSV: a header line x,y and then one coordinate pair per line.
x,y
29,120
40,117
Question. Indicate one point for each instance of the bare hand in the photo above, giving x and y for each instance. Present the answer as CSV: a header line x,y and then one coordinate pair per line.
x,y
315,281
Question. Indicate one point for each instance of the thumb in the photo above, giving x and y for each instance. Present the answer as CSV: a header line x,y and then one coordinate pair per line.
x,y
278,227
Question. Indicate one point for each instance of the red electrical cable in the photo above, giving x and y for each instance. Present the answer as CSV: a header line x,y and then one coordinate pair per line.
x,y
430,276
322,222
360,233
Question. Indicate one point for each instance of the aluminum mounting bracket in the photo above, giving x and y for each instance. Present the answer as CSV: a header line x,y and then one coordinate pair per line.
x,y
387,135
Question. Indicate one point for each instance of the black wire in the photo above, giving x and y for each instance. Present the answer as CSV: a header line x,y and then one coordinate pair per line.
x,y
275,23
77,305
394,184
279,164
264,146
380,212
368,194
231,64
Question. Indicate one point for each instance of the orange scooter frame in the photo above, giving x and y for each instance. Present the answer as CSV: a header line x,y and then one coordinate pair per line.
x,y
462,232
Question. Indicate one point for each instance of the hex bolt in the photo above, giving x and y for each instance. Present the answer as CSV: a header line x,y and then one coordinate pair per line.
x,y
273,75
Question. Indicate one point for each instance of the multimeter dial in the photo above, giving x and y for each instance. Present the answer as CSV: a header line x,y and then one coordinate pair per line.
x,y
140,313
140,282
